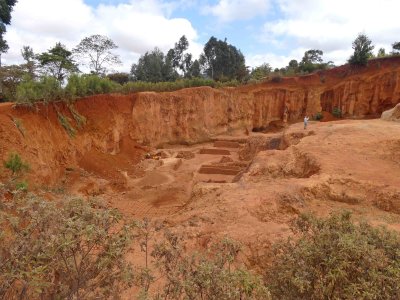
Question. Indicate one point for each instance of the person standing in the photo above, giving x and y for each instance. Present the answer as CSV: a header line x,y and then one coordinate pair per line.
x,y
306,118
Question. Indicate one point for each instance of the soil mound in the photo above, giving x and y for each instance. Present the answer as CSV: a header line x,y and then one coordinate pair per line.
x,y
392,114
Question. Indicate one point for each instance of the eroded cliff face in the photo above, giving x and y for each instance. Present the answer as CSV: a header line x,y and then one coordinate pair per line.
x,y
116,124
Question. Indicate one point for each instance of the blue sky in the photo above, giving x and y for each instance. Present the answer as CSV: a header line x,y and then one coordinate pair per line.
x,y
266,31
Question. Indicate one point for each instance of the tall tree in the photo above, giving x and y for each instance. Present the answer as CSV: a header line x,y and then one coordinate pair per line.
x,y
96,49
396,47
58,62
363,47
381,52
6,7
153,67
30,60
311,61
181,61
222,61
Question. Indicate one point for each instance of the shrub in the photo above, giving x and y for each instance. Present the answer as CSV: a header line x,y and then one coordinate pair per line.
x,y
65,123
73,249
46,89
336,259
318,116
209,275
15,164
336,112
86,85
22,186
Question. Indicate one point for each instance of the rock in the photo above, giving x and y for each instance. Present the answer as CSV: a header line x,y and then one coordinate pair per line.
x,y
392,114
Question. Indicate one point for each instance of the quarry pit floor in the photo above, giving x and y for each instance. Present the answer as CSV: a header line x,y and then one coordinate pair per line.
x,y
250,187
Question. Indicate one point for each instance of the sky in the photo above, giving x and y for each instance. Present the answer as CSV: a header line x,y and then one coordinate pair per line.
x,y
266,31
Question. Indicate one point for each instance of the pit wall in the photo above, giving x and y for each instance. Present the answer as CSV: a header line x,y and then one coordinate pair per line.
x,y
115,123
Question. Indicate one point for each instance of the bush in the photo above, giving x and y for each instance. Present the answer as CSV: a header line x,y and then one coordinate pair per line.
x,y
15,164
209,275
87,85
336,259
336,112
73,249
318,116
46,89
66,124
22,186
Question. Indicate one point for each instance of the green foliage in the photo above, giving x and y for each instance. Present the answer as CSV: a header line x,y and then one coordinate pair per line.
x,y
22,186
10,77
363,47
6,7
71,249
221,60
141,86
65,122
396,48
381,52
260,72
96,49
79,119
318,116
120,77
209,275
57,62
180,60
46,89
154,67
336,259
87,85
336,112
15,164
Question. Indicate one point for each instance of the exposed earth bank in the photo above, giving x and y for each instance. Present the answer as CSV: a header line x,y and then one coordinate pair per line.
x,y
118,128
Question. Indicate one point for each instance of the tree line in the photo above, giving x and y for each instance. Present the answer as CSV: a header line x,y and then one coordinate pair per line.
x,y
219,62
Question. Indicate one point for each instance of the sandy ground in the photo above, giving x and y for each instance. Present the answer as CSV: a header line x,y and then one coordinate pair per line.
x,y
331,166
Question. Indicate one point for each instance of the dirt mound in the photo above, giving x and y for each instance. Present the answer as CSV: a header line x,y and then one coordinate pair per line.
x,y
226,159
392,114
185,154
284,164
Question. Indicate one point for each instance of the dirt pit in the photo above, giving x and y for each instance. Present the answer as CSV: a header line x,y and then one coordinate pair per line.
x,y
258,181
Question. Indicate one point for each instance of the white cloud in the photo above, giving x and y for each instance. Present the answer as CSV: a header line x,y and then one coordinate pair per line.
x,y
136,27
231,10
332,25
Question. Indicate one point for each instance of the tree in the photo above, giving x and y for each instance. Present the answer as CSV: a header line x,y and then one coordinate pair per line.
x,y
381,52
58,62
6,7
311,61
334,258
180,60
195,70
363,47
30,60
222,61
15,164
293,64
97,50
396,47
154,67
